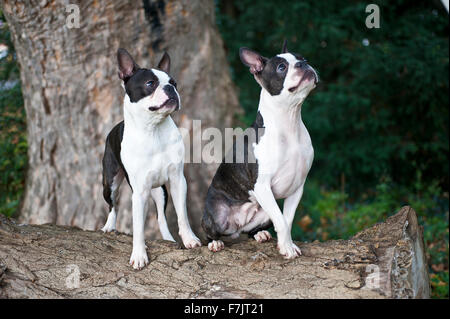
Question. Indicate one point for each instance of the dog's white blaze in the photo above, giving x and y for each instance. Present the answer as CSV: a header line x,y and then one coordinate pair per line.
x,y
163,77
292,77
159,96
163,80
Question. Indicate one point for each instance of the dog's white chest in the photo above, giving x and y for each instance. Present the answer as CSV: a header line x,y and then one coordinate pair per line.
x,y
285,157
149,159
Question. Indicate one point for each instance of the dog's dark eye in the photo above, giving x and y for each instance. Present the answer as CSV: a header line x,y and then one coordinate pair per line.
x,y
150,83
281,67
173,83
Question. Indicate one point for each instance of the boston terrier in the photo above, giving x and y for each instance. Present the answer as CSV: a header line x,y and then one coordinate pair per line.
x,y
147,149
242,196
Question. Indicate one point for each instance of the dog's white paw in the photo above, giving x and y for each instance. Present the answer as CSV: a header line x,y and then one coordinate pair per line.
x,y
110,224
289,250
139,258
166,235
262,236
190,240
108,228
216,245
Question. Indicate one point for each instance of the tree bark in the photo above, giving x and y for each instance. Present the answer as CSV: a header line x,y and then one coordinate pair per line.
x,y
48,261
73,96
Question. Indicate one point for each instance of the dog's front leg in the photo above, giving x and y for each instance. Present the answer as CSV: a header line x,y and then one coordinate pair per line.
x,y
139,255
264,196
178,191
290,206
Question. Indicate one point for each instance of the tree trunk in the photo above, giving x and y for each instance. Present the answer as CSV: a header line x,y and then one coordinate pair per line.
x,y
73,96
48,261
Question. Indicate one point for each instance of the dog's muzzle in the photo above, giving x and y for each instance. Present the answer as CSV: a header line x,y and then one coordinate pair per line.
x,y
172,99
308,75
171,102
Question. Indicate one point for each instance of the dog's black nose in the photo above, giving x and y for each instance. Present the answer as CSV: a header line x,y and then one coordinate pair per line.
x,y
170,92
301,64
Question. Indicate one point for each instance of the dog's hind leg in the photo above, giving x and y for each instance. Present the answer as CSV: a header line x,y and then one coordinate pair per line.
x,y
215,221
110,224
113,176
160,197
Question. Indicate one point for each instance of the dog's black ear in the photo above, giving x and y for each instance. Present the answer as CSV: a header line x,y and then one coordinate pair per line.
x,y
284,49
252,59
164,64
127,66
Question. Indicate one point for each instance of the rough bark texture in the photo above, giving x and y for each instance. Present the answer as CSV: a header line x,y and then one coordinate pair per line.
x,y
73,96
41,262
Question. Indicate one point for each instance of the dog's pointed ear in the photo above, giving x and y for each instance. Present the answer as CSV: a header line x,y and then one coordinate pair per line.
x,y
164,64
284,49
127,66
252,59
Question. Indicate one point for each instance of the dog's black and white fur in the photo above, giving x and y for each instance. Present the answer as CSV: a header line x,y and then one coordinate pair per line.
x,y
147,149
242,196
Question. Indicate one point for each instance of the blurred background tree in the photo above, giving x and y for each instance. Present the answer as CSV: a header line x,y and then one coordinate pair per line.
x,y
378,119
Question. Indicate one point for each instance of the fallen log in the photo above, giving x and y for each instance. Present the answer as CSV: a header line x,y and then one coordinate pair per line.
x,y
49,261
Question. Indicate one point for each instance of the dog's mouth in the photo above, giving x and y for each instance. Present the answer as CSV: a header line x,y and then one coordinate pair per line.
x,y
169,103
308,75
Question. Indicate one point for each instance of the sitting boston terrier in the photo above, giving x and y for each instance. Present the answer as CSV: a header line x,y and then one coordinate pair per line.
x,y
147,149
242,196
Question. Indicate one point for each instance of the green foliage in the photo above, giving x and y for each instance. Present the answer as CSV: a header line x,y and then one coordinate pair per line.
x,y
13,145
439,284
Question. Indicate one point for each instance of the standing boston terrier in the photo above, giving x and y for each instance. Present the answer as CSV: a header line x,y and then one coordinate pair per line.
x,y
242,196
147,149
